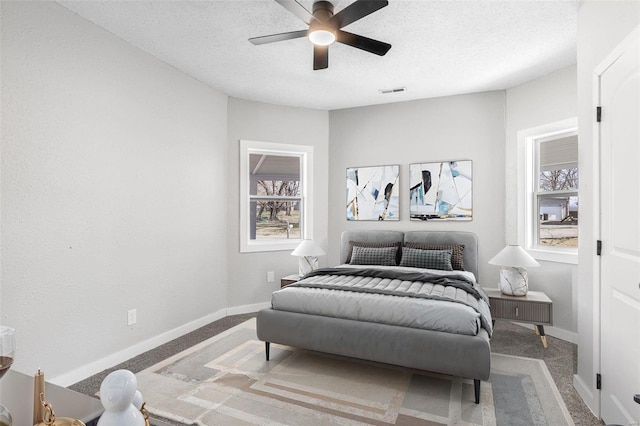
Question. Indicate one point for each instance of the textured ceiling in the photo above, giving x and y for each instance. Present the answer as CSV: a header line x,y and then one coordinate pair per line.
x,y
439,48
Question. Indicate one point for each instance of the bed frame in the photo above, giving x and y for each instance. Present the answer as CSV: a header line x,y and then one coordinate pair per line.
x,y
439,352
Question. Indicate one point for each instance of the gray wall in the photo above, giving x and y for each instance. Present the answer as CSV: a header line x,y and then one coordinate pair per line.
x,y
270,123
465,127
542,101
108,194
602,25
481,127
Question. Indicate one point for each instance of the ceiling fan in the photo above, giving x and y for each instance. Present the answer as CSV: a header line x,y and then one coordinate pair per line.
x,y
325,28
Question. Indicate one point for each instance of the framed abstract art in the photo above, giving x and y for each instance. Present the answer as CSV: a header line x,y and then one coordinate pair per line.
x,y
441,191
372,193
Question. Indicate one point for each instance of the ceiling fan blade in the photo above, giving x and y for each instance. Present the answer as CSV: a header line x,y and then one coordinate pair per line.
x,y
298,10
278,37
320,57
356,10
364,43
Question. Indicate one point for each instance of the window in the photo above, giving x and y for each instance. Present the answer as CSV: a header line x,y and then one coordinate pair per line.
x,y
556,191
550,199
275,209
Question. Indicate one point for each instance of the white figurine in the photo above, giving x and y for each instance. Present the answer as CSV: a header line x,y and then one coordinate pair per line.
x,y
138,401
118,392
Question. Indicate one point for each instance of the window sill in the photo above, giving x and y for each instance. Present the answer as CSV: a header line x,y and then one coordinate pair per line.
x,y
261,246
558,255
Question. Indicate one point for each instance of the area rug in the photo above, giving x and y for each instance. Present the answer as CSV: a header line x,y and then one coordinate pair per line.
x,y
227,381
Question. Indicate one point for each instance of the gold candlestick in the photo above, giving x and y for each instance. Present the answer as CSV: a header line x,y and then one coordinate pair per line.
x,y
38,397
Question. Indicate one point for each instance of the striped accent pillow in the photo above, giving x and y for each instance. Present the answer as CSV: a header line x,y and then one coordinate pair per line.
x,y
429,259
374,256
457,252
353,244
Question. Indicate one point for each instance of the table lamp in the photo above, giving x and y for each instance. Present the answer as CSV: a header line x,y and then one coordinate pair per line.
x,y
514,260
308,251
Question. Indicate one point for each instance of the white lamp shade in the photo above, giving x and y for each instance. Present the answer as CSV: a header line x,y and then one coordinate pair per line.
x,y
515,256
308,248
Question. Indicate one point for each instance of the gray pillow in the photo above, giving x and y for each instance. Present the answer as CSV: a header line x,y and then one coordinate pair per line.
x,y
429,259
457,252
374,256
353,244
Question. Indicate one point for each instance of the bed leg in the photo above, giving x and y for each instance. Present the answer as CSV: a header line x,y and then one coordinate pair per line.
x,y
266,349
476,388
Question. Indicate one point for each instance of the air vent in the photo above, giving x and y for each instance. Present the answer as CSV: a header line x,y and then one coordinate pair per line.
x,y
398,90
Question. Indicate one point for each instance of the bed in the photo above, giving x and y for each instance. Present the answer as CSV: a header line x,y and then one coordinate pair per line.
x,y
419,342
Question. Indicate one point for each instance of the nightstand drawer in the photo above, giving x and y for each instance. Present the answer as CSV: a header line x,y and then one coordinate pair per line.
x,y
525,311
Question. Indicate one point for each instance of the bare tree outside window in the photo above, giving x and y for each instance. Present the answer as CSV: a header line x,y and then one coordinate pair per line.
x,y
557,193
279,188
276,192
559,180
278,218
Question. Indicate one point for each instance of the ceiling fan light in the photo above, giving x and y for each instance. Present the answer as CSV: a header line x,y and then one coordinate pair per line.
x,y
322,37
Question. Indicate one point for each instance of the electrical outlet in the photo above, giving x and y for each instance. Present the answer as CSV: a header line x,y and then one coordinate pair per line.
x,y
132,317
271,277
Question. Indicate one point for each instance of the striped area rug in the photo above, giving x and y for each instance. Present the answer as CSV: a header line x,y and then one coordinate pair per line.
x,y
226,381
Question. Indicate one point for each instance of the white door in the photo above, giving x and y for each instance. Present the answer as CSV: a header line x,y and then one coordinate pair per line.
x,y
620,229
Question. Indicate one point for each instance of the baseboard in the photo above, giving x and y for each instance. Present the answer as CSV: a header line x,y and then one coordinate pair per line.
x,y
585,392
88,370
560,333
245,309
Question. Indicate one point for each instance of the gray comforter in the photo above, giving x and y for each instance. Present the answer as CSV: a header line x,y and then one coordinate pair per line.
x,y
422,285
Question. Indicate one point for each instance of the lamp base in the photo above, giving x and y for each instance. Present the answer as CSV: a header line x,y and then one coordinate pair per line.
x,y
307,264
513,281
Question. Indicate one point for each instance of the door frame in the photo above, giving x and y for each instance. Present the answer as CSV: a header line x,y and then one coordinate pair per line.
x,y
609,60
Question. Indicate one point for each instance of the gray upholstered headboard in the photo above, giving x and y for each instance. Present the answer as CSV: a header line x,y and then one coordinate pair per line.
x,y
469,239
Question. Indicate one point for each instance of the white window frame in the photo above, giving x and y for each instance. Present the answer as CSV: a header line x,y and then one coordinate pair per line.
x,y
528,211
247,245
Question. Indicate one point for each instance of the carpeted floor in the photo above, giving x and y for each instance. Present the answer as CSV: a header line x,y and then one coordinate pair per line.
x,y
560,358
510,339
226,380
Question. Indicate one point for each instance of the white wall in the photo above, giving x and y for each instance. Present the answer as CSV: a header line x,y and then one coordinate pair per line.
x,y
279,124
542,101
466,127
110,193
602,25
